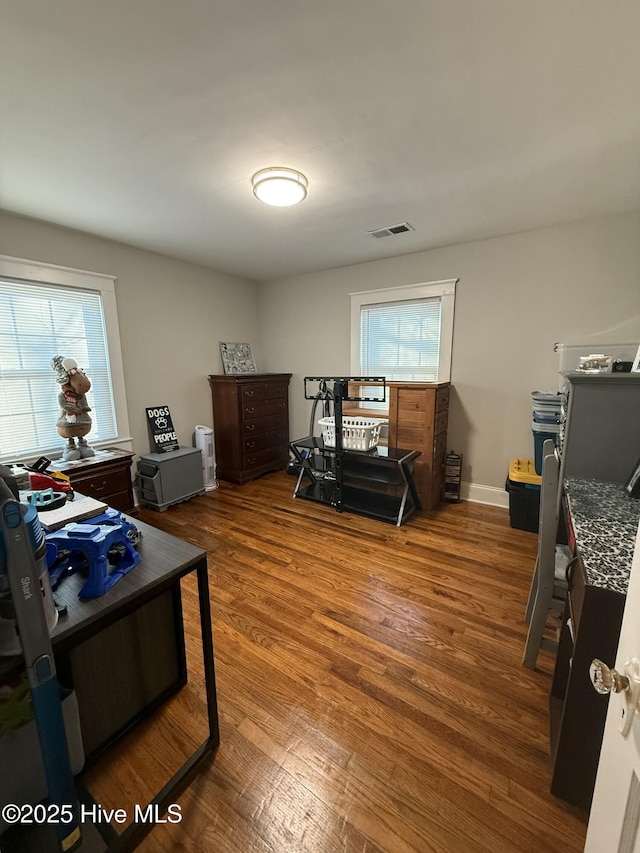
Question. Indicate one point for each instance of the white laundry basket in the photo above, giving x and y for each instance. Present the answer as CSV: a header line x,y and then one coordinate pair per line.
x,y
357,433
206,445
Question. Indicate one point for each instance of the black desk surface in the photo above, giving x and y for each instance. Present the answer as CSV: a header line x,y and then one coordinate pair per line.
x,y
165,559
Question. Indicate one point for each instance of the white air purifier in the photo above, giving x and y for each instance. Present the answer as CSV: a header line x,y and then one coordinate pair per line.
x,y
206,446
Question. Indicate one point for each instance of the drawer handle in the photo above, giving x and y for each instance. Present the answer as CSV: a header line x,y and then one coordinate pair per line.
x,y
249,393
282,405
250,410
251,427
251,460
251,445
99,488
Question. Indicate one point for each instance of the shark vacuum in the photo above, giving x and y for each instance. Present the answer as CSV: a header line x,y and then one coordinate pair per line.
x,y
26,603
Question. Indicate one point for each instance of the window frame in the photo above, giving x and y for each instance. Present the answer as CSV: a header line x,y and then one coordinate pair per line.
x,y
39,272
445,289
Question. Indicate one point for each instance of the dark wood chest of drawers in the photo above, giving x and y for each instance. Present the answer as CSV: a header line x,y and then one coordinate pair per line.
x,y
250,424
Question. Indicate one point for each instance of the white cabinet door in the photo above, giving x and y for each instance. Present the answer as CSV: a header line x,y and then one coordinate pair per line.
x,y
615,811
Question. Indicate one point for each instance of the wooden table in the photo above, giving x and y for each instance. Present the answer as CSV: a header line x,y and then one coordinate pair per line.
x,y
150,587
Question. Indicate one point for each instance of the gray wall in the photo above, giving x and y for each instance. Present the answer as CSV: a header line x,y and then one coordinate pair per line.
x,y
172,316
516,296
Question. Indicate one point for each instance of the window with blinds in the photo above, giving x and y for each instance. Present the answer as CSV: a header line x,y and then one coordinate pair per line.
x,y
401,340
403,333
37,322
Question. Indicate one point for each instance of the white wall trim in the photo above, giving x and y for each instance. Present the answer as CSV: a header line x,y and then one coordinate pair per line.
x,y
484,494
443,287
21,268
446,289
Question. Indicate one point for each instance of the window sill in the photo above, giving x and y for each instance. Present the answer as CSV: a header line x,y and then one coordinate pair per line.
x,y
55,454
353,410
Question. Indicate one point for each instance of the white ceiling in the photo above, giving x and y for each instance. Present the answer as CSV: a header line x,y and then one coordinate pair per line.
x,y
143,121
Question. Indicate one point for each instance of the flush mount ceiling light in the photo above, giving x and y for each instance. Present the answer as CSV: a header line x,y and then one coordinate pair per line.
x,y
279,186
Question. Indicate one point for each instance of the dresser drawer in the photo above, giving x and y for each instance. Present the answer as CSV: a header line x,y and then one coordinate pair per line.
x,y
264,391
120,501
102,485
268,424
412,401
267,457
442,399
439,448
442,419
263,408
260,441
412,437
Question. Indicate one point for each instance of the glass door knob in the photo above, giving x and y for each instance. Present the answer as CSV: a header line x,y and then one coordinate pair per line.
x,y
606,679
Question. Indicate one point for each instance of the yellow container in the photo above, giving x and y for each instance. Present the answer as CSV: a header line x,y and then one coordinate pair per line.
x,y
524,471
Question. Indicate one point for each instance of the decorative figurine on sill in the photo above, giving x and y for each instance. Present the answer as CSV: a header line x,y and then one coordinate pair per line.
x,y
74,421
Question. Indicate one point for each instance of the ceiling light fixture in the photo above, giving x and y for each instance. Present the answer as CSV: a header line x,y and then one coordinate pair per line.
x,y
279,186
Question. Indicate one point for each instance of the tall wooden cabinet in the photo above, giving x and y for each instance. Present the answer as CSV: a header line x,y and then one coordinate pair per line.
x,y
418,418
250,424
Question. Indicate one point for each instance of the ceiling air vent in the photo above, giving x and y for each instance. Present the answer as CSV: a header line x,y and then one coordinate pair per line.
x,y
390,230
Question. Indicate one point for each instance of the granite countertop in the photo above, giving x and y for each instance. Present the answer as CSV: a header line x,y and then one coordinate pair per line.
x,y
605,522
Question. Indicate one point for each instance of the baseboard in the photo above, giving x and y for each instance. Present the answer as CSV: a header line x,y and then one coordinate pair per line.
x,y
484,494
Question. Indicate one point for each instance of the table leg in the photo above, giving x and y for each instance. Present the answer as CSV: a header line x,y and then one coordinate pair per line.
x,y
135,832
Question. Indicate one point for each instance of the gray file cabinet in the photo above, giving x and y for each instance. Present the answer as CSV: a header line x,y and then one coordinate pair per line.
x,y
169,478
600,426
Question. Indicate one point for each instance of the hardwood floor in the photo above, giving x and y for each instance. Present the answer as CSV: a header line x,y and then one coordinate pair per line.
x,y
370,688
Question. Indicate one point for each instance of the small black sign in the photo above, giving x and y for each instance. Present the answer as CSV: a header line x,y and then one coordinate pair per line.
x,y
163,436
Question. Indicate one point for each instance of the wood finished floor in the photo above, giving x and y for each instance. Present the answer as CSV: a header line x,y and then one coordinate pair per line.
x,y
370,689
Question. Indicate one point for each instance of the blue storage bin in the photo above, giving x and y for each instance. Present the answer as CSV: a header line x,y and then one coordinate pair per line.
x,y
539,438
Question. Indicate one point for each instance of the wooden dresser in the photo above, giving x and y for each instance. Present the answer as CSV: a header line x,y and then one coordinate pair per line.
x,y
105,476
251,424
418,417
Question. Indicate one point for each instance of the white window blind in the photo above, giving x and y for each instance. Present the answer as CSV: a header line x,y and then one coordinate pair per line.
x,y
37,322
401,340
403,333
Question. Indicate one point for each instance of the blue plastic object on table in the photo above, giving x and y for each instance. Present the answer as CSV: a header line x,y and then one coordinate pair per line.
x,y
92,543
115,517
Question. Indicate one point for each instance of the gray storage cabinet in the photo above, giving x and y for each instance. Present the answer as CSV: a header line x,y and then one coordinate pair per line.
x,y
165,479
600,426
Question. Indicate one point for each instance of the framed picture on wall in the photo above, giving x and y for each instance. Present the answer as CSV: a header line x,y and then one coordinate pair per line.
x,y
237,358
635,367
